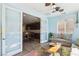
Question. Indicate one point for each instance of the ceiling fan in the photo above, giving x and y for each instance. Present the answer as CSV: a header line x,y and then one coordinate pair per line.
x,y
54,7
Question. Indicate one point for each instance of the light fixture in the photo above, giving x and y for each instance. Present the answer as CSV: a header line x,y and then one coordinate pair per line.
x,y
54,7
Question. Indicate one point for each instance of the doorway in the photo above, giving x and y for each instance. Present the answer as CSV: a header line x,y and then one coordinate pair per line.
x,y
31,33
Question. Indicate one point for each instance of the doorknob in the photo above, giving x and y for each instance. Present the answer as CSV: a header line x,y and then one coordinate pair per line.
x,y
3,38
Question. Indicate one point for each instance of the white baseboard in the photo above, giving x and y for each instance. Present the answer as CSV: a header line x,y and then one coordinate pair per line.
x,y
44,41
13,52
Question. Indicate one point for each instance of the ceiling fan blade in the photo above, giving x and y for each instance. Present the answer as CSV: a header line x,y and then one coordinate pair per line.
x,y
57,8
47,4
61,10
53,11
53,4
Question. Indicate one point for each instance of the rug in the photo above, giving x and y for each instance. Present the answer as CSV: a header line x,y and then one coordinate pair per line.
x,y
32,53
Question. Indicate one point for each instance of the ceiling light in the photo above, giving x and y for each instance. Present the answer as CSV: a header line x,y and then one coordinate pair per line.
x,y
54,7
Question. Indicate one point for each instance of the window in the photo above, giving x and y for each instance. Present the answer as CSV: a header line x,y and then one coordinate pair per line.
x,y
70,25
66,26
61,26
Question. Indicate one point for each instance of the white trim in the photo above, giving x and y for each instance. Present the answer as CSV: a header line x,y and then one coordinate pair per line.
x,y
3,29
12,8
14,52
44,30
21,31
47,30
44,41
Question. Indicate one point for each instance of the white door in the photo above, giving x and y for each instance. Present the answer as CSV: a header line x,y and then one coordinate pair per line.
x,y
11,31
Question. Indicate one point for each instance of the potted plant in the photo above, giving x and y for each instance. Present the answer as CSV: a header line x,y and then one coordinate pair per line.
x,y
77,41
51,35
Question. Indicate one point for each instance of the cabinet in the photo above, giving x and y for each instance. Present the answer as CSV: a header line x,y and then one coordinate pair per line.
x,y
33,26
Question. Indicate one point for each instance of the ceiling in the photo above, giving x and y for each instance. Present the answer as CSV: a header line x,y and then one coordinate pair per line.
x,y
40,7
27,19
43,10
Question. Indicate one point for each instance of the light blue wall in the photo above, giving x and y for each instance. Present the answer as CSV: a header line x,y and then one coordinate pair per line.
x,y
52,23
75,34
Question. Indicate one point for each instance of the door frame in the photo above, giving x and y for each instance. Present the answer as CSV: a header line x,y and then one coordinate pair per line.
x,y
22,25
1,31
44,19
4,6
